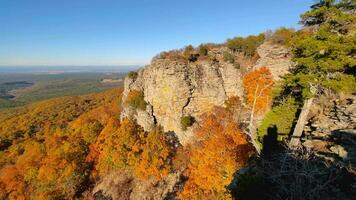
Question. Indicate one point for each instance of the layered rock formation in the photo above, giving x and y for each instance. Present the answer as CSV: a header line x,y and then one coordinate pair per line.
x,y
173,89
331,129
276,57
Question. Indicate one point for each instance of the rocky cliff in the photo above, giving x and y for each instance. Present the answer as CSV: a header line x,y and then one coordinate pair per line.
x,y
276,57
173,89
331,129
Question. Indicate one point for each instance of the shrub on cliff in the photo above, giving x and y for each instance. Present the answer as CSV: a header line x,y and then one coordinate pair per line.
x,y
281,36
132,75
189,54
136,100
175,55
281,118
228,57
247,45
203,50
186,121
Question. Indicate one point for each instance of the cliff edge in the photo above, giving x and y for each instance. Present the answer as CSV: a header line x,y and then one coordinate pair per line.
x,y
173,89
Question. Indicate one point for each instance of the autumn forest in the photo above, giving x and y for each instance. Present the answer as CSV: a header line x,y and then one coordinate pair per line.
x,y
87,147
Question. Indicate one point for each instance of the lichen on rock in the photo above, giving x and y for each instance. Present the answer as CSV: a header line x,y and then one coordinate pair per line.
x,y
173,89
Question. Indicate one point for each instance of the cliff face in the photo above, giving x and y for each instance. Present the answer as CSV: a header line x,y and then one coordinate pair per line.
x,y
331,129
174,89
276,57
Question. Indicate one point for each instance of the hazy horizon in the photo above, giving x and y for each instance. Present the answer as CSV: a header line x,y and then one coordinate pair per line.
x,y
53,69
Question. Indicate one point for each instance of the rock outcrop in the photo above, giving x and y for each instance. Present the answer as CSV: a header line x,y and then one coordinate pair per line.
x,y
173,89
123,185
276,57
331,129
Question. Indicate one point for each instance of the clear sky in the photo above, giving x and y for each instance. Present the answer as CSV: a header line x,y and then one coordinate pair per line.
x,y
121,32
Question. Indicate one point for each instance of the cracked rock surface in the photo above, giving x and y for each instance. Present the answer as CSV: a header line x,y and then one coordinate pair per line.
x,y
331,129
174,89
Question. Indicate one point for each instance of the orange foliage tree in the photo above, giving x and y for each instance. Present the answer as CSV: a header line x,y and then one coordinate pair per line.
x,y
118,146
43,146
156,156
219,150
127,146
258,86
11,182
97,149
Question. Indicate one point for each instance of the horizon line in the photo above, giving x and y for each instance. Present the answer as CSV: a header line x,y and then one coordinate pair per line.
x,y
74,65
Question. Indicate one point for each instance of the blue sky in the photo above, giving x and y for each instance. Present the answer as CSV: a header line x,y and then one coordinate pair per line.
x,y
125,32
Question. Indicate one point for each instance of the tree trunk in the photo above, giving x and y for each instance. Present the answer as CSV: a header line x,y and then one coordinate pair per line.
x,y
298,130
250,126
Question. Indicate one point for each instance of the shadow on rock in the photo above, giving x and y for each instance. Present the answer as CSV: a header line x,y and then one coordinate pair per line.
x,y
293,174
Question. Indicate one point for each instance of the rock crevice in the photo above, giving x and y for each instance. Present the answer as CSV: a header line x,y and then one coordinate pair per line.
x,y
331,129
174,89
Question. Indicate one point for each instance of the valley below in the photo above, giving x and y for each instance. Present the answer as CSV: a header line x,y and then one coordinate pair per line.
x,y
21,89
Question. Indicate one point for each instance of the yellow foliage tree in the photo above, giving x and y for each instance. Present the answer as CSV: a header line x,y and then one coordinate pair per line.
x,y
120,148
258,86
218,151
155,157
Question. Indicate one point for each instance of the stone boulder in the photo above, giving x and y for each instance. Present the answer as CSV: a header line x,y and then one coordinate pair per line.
x,y
173,89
